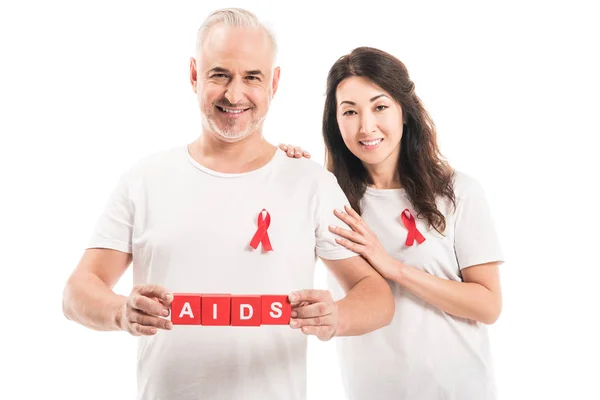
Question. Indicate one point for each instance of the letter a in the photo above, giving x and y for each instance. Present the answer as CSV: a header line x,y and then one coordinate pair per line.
x,y
186,310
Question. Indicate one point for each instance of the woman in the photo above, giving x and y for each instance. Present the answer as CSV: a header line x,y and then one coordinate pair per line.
x,y
425,227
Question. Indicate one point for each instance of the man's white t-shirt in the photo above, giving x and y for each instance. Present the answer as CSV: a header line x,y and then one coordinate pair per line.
x,y
425,353
189,229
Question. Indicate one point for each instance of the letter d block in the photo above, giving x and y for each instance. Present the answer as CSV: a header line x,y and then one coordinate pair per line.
x,y
276,310
216,309
245,310
185,309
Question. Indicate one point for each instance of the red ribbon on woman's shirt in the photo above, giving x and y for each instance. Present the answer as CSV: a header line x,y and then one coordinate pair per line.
x,y
413,233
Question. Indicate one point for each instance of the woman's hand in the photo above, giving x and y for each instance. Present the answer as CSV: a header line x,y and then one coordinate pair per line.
x,y
294,151
363,241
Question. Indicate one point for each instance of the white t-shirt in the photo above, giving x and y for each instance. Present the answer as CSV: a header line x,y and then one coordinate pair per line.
x,y
189,229
425,353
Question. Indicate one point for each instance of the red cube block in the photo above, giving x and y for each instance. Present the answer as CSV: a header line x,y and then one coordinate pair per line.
x,y
245,310
186,309
216,309
276,309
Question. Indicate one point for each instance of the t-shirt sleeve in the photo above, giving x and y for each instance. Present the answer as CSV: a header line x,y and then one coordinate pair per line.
x,y
475,238
329,197
114,228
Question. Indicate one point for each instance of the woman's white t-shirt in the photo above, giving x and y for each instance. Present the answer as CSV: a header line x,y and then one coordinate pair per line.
x,y
425,353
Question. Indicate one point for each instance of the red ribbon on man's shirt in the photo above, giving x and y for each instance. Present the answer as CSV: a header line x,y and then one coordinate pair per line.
x,y
261,235
413,233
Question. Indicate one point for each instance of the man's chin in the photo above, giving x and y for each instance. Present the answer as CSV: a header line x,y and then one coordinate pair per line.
x,y
229,133
232,136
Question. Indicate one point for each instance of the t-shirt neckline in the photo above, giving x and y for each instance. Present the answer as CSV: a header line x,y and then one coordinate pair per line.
x,y
384,192
218,174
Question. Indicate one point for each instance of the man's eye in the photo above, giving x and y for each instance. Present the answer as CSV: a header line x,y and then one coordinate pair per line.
x,y
253,78
219,76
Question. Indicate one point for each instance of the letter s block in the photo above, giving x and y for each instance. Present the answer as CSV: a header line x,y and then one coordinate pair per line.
x,y
276,310
186,309
216,309
245,310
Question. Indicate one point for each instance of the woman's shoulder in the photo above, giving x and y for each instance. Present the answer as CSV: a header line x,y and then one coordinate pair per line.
x,y
465,185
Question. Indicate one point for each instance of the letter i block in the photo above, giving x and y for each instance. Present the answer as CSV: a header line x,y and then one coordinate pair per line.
x,y
276,309
216,309
186,309
245,310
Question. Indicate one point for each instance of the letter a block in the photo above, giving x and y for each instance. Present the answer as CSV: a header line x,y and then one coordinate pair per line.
x,y
245,310
276,310
185,309
216,309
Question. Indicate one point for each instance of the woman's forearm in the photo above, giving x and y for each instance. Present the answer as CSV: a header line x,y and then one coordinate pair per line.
x,y
468,300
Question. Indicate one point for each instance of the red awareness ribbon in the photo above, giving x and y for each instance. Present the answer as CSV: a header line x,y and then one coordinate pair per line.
x,y
261,235
413,233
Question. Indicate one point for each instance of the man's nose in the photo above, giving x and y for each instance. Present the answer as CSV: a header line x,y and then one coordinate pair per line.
x,y
234,92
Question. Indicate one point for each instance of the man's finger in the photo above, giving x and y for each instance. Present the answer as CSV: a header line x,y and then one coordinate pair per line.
x,y
327,320
322,332
148,306
300,304
309,295
165,303
312,310
140,330
151,290
149,320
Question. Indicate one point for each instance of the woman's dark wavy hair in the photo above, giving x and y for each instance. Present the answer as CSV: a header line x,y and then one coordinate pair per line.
x,y
424,173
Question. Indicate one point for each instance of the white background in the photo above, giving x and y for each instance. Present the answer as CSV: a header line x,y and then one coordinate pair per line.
x,y
87,88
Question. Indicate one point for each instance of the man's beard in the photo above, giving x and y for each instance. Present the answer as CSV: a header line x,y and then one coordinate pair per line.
x,y
229,134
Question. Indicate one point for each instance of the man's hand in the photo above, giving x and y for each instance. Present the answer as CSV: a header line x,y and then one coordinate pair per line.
x,y
315,312
140,313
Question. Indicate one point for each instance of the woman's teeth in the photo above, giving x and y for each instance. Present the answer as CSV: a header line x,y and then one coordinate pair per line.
x,y
371,143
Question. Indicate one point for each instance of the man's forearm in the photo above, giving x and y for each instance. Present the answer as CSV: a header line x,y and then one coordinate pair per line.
x,y
90,302
369,305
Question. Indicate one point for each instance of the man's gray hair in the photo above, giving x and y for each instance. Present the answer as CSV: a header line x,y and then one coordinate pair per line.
x,y
236,17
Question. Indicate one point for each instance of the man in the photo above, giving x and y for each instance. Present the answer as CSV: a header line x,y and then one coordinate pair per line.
x,y
188,218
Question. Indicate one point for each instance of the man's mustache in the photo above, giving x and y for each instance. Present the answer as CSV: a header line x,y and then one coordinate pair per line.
x,y
225,103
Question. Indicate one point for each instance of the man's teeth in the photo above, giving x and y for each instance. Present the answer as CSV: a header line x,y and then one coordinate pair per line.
x,y
228,110
371,143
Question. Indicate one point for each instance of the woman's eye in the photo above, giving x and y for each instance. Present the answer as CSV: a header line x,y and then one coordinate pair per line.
x,y
349,112
381,108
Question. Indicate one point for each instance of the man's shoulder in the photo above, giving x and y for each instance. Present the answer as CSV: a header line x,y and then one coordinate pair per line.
x,y
159,159
154,164
306,169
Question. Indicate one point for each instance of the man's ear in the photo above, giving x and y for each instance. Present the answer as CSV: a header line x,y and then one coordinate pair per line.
x,y
193,75
275,83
